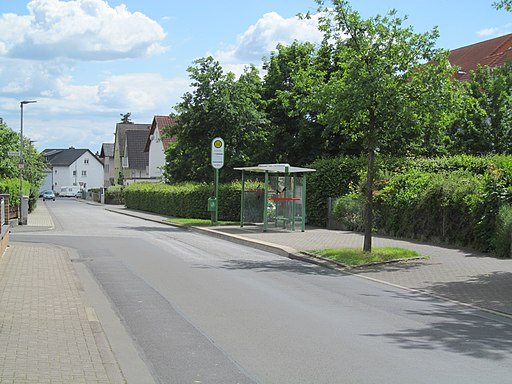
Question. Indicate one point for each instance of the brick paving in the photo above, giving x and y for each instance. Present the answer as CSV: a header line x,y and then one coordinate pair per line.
x,y
48,333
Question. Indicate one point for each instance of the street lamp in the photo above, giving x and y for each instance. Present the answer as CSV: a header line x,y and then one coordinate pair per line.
x,y
21,165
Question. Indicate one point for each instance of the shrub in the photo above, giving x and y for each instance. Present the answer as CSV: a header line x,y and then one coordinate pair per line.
x,y
333,178
501,241
186,200
348,210
114,195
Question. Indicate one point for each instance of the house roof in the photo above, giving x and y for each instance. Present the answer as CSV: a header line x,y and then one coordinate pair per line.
x,y
493,53
121,129
135,142
160,122
107,150
64,157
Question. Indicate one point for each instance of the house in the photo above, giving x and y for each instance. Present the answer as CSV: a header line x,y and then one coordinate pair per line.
x,y
135,161
107,157
492,53
73,167
123,151
156,145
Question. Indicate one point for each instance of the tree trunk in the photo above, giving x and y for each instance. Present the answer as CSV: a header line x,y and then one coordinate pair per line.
x,y
368,208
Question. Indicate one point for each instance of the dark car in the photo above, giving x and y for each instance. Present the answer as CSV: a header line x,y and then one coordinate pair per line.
x,y
48,195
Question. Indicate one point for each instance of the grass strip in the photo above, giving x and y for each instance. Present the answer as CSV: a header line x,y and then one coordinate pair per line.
x,y
199,222
357,257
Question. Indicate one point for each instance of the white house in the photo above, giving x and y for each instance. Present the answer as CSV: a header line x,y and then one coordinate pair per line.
x,y
73,167
107,156
156,145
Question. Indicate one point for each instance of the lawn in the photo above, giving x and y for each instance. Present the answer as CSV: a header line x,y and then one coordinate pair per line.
x,y
355,256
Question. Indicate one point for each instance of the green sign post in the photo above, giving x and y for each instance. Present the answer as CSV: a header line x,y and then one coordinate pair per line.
x,y
217,163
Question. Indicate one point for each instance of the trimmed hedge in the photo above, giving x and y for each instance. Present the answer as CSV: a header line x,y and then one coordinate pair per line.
x,y
187,200
333,178
453,199
114,195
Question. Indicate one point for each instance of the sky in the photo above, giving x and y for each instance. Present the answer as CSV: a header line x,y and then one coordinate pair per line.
x,y
87,62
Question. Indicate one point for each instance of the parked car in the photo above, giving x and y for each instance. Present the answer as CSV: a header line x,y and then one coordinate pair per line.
x,y
48,195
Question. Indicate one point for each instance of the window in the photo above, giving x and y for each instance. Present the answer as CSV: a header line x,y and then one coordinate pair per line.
x,y
74,173
125,162
86,161
55,171
84,173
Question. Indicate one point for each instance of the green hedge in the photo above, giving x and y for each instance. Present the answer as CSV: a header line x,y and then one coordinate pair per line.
x,y
12,187
187,200
114,195
333,178
453,199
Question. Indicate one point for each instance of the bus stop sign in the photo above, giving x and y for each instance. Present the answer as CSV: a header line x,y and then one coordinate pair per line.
x,y
217,153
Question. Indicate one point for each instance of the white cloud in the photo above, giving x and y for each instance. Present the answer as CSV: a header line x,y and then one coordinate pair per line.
x,y
141,92
262,38
79,30
487,32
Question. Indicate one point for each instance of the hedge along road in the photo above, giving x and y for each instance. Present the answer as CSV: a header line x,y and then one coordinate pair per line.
x,y
199,309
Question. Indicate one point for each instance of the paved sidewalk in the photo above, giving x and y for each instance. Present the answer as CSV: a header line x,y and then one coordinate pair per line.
x,y
48,333
465,276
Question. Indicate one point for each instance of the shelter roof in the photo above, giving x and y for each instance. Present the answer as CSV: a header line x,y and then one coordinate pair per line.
x,y
275,168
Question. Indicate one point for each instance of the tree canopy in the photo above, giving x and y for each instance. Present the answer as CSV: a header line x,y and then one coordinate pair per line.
x,y
381,89
218,106
34,162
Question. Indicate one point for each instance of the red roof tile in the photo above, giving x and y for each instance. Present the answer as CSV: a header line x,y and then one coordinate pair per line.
x,y
493,53
161,122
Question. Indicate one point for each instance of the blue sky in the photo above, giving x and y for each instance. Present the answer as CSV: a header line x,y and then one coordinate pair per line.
x,y
88,61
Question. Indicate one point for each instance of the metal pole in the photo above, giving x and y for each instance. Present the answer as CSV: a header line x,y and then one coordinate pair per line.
x,y
303,203
21,164
242,200
265,203
216,195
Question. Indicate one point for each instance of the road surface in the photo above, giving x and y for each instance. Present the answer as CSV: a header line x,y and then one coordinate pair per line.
x,y
202,310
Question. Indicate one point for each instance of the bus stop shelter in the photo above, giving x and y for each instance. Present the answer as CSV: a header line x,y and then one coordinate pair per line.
x,y
281,202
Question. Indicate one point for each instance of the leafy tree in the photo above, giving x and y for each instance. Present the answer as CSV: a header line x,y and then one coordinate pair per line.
x,y
382,91
33,171
296,136
219,106
485,116
9,142
503,4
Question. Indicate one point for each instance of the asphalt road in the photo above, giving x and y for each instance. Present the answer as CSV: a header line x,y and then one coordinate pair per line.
x,y
202,310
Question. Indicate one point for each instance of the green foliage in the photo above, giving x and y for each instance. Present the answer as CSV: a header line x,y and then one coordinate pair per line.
x,y
333,178
348,210
356,257
114,195
484,117
12,187
33,161
420,204
187,200
219,106
502,237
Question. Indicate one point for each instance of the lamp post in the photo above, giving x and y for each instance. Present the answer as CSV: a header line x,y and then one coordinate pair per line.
x,y
21,164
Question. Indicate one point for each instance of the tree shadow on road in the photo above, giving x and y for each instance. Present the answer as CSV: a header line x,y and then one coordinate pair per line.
x,y
153,229
284,265
491,291
455,329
